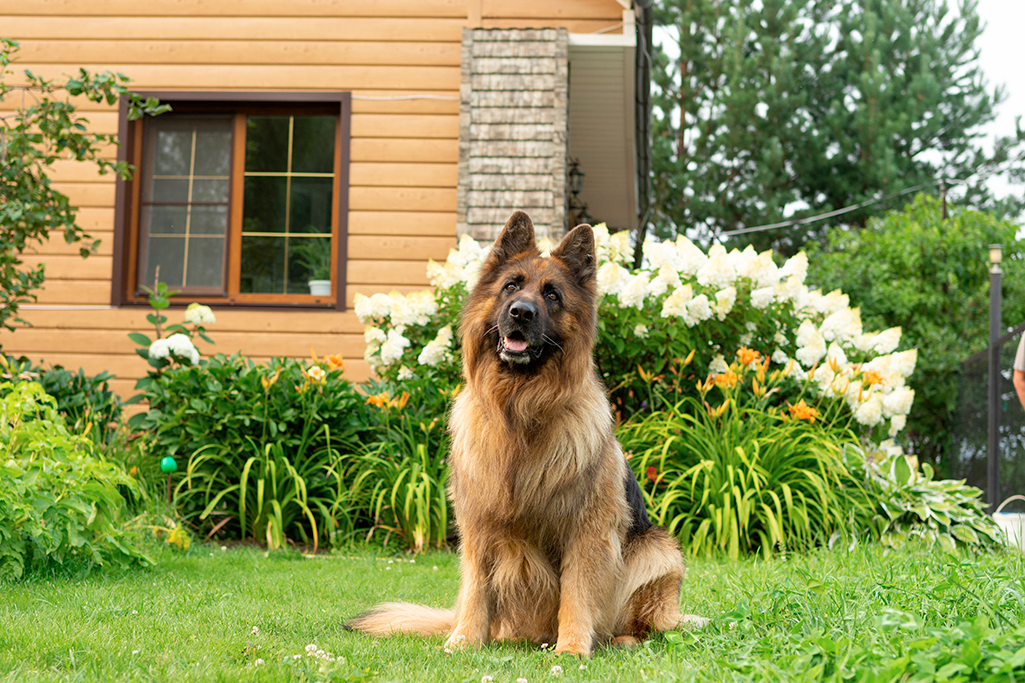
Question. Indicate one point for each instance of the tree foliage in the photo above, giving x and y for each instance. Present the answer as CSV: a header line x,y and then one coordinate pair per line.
x,y
927,274
790,108
44,128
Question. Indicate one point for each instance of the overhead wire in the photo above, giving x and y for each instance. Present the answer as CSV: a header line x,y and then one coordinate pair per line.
x,y
869,202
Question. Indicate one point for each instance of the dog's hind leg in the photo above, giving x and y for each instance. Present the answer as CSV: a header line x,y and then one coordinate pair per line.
x,y
649,594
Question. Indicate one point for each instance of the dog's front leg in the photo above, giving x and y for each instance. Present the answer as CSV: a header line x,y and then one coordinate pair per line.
x,y
476,604
589,569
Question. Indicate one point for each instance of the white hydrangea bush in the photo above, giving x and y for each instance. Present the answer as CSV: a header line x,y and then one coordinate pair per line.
x,y
682,299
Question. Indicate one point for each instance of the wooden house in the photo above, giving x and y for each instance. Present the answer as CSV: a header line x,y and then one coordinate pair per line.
x,y
341,140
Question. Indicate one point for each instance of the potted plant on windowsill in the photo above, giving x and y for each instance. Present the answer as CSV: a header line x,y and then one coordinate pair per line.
x,y
314,254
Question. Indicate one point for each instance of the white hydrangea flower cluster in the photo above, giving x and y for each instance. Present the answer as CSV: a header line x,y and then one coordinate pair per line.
x,y
387,316
198,314
178,346
679,282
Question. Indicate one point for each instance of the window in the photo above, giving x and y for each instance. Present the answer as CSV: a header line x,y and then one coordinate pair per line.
x,y
237,203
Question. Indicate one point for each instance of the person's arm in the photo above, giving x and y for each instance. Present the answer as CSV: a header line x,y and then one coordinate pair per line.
x,y
1019,385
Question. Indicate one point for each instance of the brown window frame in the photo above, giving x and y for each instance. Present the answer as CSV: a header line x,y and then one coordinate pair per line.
x,y
125,290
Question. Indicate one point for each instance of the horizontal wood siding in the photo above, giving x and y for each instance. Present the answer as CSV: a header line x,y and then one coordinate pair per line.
x,y
401,61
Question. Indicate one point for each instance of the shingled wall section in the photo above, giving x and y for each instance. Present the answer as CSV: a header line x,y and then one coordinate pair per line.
x,y
513,130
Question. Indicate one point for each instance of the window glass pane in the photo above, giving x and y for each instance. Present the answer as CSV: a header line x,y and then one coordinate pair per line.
x,y
209,220
205,263
173,148
313,144
264,206
213,145
168,254
310,206
210,190
263,265
267,144
169,190
309,258
164,220
185,181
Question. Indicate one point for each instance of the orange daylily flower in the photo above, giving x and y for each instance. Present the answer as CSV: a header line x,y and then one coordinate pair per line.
x,y
803,411
382,401
335,362
726,380
871,378
747,356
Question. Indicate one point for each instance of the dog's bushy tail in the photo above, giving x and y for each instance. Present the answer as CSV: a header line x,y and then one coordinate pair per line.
x,y
403,617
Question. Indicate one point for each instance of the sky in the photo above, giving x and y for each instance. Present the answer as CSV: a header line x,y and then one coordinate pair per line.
x,y
1000,58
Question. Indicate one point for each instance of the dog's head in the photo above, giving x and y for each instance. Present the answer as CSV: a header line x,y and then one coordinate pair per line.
x,y
526,309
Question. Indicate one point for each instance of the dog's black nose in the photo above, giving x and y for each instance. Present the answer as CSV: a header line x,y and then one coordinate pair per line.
x,y
524,311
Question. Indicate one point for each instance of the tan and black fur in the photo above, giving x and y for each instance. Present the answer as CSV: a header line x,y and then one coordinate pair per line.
x,y
556,544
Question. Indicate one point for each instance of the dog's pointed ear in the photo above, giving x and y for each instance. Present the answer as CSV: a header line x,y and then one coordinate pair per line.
x,y
577,252
517,238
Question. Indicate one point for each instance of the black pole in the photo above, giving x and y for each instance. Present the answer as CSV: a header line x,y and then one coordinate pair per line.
x,y
993,452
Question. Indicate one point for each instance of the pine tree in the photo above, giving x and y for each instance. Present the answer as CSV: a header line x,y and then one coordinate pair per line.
x,y
783,109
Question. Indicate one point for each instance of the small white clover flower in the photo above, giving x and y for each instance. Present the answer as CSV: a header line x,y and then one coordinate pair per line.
x,y
448,651
258,662
521,680
487,679
556,670
254,631
311,648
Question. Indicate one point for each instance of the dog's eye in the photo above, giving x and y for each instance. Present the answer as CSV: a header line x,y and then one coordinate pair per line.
x,y
511,287
552,296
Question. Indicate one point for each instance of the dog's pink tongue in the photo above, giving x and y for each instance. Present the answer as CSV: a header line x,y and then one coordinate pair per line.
x,y
515,345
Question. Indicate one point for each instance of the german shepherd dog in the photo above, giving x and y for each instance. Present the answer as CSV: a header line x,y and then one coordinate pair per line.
x,y
556,543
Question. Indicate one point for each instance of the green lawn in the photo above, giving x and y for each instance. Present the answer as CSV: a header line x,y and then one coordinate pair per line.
x,y
211,614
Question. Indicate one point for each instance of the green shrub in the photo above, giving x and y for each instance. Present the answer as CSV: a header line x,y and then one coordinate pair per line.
x,y
731,472
683,304
84,401
237,423
910,504
59,502
402,475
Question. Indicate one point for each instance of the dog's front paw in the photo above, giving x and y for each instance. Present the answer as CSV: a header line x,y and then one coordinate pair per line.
x,y
572,647
692,621
456,641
